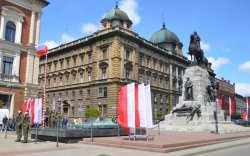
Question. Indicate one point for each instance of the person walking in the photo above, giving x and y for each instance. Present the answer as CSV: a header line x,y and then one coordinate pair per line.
x,y
19,121
5,123
26,123
64,122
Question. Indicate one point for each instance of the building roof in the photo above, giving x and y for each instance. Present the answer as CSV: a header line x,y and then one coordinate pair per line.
x,y
116,13
163,36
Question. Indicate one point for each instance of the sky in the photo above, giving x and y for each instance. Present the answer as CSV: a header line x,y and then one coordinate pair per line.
x,y
223,26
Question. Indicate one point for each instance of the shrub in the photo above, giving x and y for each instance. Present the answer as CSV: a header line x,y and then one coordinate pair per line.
x,y
92,112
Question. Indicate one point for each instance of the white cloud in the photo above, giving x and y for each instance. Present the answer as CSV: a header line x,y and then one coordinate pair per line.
x,y
65,38
205,46
245,67
130,7
242,89
217,63
52,44
89,28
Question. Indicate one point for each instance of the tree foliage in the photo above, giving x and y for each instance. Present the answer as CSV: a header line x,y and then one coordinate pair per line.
x,y
92,112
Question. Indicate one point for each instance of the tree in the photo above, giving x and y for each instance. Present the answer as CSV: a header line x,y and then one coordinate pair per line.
x,y
92,112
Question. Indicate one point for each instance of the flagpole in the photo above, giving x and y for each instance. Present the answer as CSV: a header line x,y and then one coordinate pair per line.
x,y
247,111
44,89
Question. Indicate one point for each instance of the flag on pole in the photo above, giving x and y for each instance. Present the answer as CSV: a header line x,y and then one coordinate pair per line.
x,y
41,50
219,102
126,106
148,106
247,109
140,108
244,115
231,106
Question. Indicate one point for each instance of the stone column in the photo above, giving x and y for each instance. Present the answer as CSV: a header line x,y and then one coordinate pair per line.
x,y
177,76
2,27
170,87
38,22
1,58
19,31
32,27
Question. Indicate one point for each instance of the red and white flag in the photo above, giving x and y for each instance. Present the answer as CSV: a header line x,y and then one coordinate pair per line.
x,y
246,117
231,106
148,106
126,106
140,107
219,101
41,50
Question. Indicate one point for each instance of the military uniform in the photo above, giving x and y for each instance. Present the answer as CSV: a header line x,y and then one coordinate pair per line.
x,y
58,118
19,121
26,122
52,119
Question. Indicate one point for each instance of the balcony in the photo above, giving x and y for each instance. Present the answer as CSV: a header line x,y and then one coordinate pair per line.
x,y
9,78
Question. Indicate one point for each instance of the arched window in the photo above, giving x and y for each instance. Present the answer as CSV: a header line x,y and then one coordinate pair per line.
x,y
10,31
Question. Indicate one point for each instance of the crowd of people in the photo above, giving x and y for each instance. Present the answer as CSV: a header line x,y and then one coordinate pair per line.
x,y
8,123
52,119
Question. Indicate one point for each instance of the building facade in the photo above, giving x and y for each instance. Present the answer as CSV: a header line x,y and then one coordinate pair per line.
x,y
88,72
240,102
19,33
225,91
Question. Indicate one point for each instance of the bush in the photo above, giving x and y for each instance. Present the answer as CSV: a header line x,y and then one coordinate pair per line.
x,y
92,112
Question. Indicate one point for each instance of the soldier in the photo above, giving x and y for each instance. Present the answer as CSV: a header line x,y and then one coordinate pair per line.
x,y
26,122
19,121
52,119
58,118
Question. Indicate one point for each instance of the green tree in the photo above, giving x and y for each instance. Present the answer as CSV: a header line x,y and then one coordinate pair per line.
x,y
92,112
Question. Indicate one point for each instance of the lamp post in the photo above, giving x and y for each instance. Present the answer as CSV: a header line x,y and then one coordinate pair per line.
x,y
216,88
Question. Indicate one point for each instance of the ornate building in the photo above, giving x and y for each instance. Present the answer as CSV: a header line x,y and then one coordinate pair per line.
x,y
89,71
19,32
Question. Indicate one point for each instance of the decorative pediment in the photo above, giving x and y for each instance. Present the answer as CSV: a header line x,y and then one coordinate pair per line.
x,y
88,68
54,75
80,70
103,65
73,71
128,65
66,72
166,77
60,74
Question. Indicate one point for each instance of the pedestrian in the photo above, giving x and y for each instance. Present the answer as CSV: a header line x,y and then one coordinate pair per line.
x,y
19,121
64,122
26,123
5,123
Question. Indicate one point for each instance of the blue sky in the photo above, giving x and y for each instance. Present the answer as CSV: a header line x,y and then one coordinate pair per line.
x,y
223,25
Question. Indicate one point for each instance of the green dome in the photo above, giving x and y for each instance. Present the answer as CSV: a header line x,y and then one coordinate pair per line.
x,y
116,13
163,36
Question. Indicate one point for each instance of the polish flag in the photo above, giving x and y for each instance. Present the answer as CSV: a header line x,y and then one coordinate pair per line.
x,y
246,117
140,107
148,106
231,106
126,106
41,50
32,110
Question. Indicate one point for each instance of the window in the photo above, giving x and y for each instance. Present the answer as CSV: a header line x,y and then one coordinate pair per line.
x,y
140,59
61,65
47,100
80,94
89,75
48,83
89,58
54,102
127,54
82,59
161,98
161,69
49,67
154,65
103,73
67,79
7,65
73,95
75,62
103,92
88,93
148,78
140,78
54,81
66,96
60,83
55,66
74,78
104,54
60,97
10,31
161,81
148,62
81,77
167,68
127,73
154,96
67,63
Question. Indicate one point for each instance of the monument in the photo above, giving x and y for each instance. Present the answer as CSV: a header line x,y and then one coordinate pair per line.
x,y
196,110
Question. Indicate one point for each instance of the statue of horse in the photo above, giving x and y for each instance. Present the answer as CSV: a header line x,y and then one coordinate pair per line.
x,y
195,49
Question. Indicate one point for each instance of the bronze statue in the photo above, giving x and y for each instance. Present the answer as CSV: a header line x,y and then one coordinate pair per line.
x,y
196,110
188,89
195,49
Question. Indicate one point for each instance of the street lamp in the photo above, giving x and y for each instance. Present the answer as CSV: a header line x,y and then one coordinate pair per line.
x,y
215,91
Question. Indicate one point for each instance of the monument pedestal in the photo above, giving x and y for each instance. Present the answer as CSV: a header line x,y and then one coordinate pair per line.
x,y
204,122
